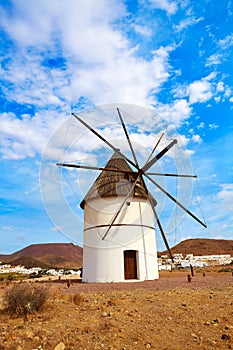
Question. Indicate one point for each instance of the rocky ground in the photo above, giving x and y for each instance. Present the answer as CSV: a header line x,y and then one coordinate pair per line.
x,y
167,314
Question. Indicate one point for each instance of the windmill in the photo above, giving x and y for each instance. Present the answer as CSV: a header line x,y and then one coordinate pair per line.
x,y
120,213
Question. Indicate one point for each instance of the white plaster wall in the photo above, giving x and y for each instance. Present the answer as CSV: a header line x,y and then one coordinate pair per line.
x,y
103,260
102,265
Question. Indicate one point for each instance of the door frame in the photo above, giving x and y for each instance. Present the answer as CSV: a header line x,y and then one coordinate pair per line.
x,y
130,264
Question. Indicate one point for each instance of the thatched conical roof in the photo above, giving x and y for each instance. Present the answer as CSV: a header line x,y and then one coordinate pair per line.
x,y
113,183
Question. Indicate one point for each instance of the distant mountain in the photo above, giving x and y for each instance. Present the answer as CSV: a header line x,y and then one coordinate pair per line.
x,y
68,255
203,246
57,255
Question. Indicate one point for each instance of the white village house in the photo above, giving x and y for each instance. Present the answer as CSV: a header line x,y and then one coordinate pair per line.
x,y
194,260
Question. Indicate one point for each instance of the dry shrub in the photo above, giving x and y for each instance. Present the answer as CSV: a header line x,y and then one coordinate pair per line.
x,y
78,298
24,298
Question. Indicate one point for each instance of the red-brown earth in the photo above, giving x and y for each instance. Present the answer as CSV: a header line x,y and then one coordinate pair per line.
x,y
168,314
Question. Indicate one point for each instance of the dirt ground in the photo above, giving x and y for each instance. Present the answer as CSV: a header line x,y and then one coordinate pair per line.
x,y
168,314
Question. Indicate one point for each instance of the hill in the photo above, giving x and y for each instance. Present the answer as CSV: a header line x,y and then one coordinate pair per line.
x,y
203,246
68,255
58,255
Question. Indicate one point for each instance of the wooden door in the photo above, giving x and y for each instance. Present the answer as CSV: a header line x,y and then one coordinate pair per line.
x,y
130,264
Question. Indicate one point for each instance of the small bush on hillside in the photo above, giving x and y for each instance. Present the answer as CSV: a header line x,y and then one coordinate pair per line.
x,y
226,269
10,277
24,298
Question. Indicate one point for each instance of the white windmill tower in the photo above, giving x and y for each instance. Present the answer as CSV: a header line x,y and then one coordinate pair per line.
x,y
119,234
119,216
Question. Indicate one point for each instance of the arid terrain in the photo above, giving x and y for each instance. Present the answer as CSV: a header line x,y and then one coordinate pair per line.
x,y
167,314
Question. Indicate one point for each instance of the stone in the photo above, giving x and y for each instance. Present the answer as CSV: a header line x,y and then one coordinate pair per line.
x,y
225,337
60,346
29,334
215,322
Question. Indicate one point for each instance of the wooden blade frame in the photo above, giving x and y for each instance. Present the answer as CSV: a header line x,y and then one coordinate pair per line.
x,y
156,145
128,139
80,166
105,141
176,201
163,234
173,175
159,155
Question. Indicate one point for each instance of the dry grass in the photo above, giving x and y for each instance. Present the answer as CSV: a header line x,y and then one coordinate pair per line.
x,y
24,298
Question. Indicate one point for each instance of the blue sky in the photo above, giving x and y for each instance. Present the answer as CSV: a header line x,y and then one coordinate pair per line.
x,y
172,57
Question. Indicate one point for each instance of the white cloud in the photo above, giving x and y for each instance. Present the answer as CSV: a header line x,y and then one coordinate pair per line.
x,y
214,59
180,91
228,92
126,79
142,30
226,197
99,60
182,140
226,42
200,91
196,138
201,125
176,113
33,83
220,87
167,5
187,22
75,22
26,137
213,126
219,57
8,228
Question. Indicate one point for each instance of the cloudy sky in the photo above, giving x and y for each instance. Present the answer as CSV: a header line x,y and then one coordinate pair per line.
x,y
57,57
